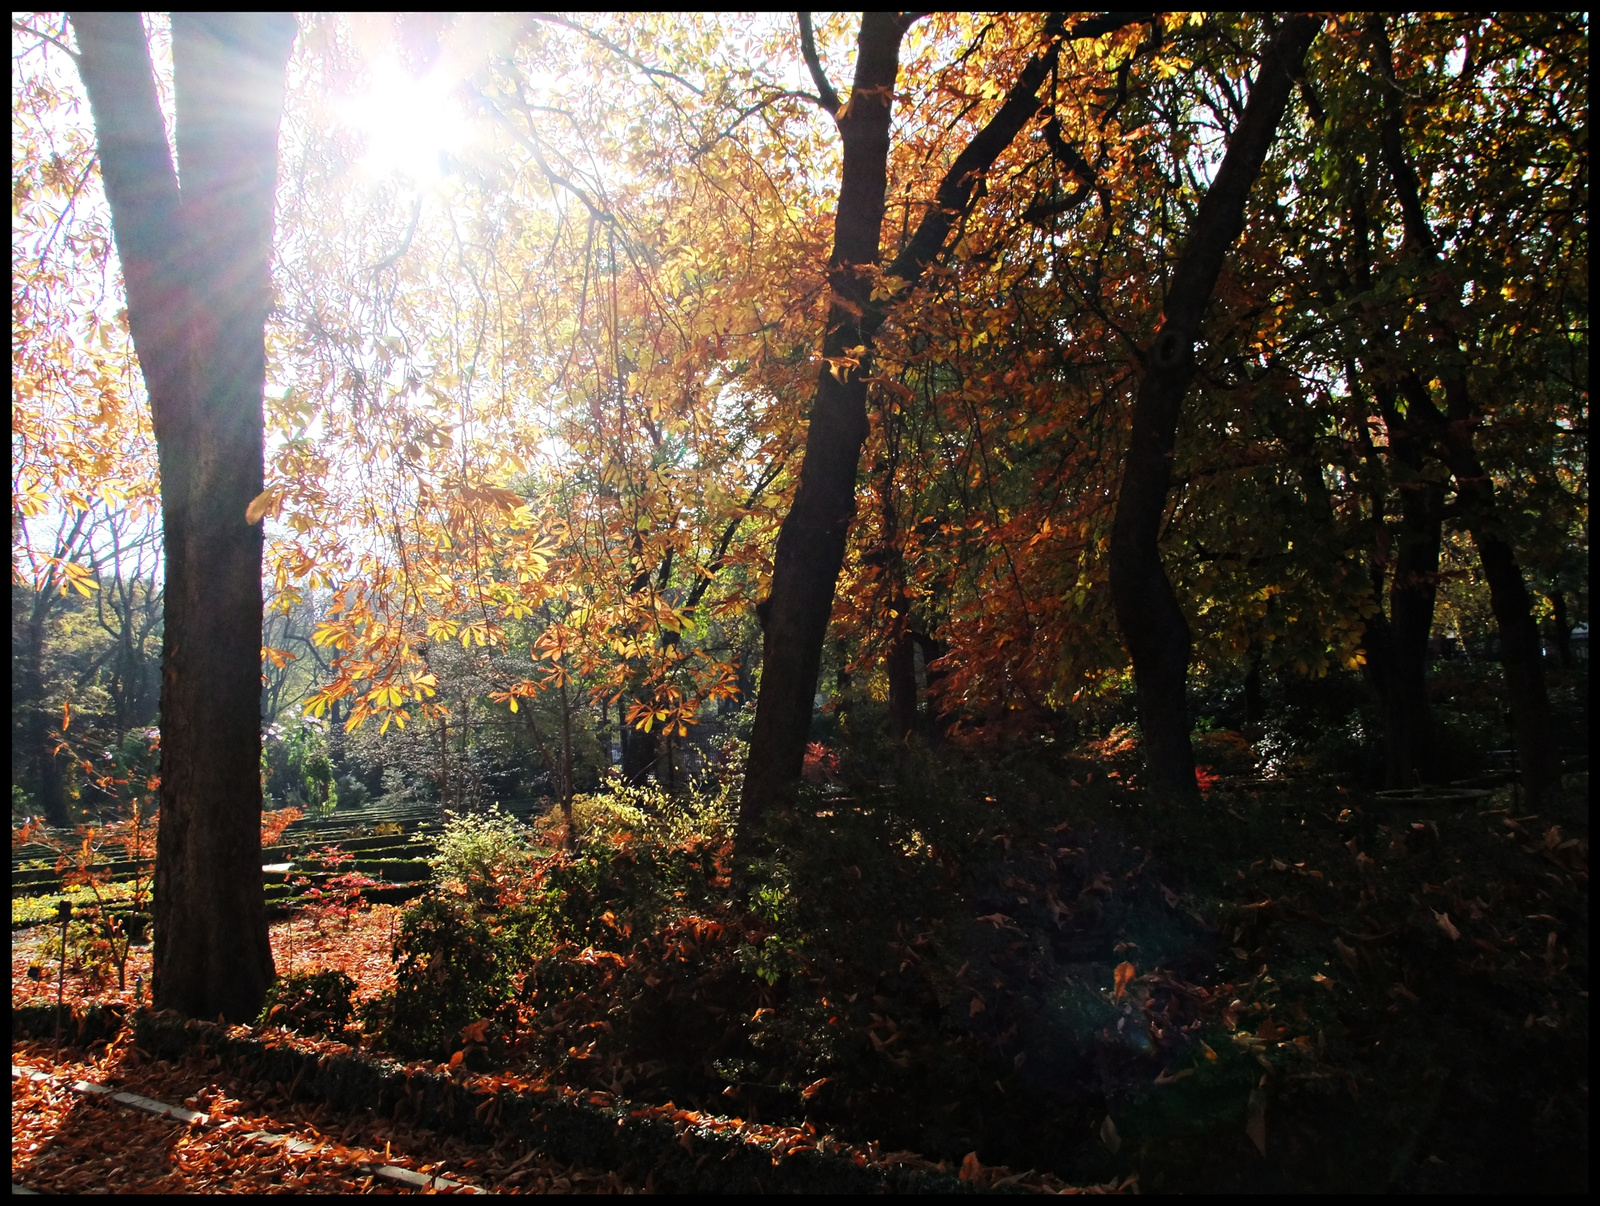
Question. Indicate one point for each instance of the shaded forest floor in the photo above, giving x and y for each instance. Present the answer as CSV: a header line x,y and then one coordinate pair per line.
x,y
1017,961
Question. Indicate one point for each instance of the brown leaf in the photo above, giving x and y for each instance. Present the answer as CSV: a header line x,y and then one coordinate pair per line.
x,y
1446,925
815,1087
1348,954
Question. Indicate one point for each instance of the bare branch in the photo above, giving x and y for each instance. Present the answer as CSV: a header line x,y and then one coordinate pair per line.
x,y
826,96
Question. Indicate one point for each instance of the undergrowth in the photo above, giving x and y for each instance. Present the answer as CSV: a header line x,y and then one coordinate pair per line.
x,y
1294,989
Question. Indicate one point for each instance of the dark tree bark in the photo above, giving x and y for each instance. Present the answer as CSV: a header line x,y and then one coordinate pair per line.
x,y
1521,653
811,542
1153,626
1395,644
195,248
1563,628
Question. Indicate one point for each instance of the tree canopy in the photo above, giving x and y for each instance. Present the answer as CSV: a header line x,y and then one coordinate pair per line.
x,y
551,297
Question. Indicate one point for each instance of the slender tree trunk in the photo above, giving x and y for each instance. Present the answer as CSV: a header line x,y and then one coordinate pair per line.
x,y
932,650
1153,625
196,264
41,733
811,542
1413,590
566,768
1563,628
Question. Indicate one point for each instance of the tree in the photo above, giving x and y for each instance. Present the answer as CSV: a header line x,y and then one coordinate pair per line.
x,y
195,245
1152,623
811,542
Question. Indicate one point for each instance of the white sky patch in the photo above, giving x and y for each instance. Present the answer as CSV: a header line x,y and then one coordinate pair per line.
x,y
408,123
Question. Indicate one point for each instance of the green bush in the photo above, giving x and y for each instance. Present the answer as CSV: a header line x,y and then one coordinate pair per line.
x,y
452,968
317,1002
703,812
477,851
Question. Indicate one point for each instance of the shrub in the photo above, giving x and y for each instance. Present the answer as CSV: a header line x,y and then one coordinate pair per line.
x,y
317,1002
452,968
702,813
477,851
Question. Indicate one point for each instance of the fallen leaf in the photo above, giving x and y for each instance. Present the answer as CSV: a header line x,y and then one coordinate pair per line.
x,y
1348,954
998,920
1269,1031
1206,1047
1122,976
1163,1079
1109,1136
815,1087
1170,896
970,1168
1447,926
975,1008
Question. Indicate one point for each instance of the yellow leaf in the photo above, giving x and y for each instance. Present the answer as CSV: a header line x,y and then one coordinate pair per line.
x,y
260,505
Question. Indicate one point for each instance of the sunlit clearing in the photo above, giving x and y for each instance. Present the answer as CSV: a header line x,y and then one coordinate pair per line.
x,y
409,124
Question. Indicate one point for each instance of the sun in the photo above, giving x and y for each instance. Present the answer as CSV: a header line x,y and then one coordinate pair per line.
x,y
409,124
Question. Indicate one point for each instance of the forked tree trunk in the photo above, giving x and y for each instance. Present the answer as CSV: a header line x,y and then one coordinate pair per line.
x,y
195,248
1521,653
1153,626
811,542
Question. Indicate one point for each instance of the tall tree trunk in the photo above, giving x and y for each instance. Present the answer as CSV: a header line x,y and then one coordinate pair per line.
x,y
196,264
1413,591
1396,644
811,542
1521,654
1153,625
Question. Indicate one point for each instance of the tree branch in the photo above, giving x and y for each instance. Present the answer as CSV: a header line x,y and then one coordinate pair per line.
x,y
826,96
960,184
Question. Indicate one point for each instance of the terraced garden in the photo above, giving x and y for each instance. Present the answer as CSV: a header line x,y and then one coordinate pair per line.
x,y
389,845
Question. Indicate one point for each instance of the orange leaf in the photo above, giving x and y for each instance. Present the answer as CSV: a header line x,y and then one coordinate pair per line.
x,y
1123,975
455,1060
259,506
1269,1031
970,1168
815,1087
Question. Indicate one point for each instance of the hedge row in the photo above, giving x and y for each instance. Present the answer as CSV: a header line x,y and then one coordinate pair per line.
x,y
705,1155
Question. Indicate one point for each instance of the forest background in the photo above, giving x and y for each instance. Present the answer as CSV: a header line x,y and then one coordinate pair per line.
x,y
542,341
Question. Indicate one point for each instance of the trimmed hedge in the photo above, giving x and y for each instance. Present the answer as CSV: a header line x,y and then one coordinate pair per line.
x,y
590,1129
